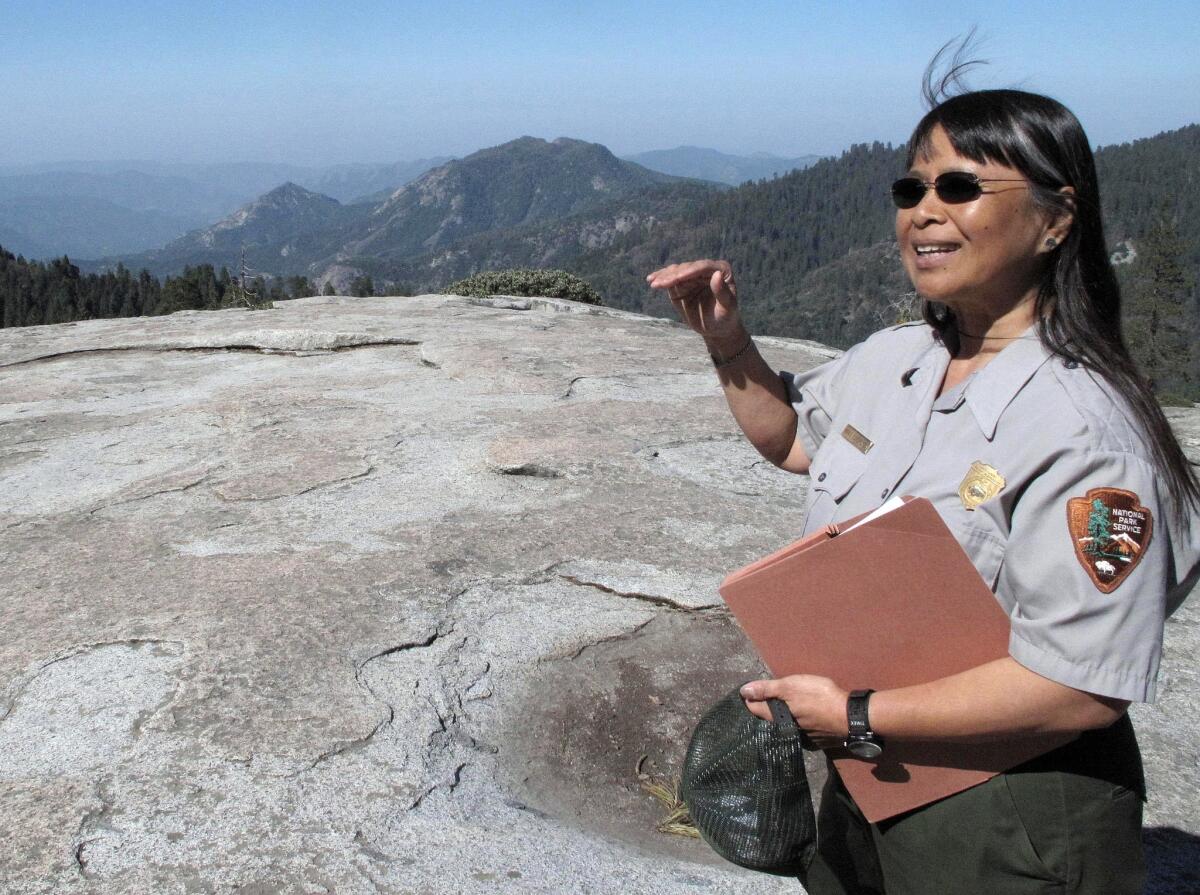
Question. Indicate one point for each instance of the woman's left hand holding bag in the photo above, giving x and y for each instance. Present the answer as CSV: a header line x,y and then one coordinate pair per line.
x,y
817,704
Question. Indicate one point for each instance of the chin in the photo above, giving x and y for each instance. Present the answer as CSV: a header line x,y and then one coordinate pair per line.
x,y
931,292
937,286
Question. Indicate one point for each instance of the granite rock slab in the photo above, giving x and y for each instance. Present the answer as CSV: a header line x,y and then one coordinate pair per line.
x,y
393,595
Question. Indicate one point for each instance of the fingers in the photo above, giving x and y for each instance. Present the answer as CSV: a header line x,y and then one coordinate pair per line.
x,y
721,284
688,312
702,270
759,710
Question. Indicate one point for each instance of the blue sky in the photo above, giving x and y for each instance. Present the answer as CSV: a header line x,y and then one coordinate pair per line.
x,y
311,84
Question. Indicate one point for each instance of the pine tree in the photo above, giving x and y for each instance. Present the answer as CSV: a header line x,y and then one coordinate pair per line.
x,y
300,287
1099,529
1159,322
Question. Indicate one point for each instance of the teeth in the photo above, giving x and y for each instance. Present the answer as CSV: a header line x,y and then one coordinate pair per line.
x,y
931,250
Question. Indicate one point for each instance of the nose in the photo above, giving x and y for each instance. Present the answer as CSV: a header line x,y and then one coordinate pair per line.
x,y
930,209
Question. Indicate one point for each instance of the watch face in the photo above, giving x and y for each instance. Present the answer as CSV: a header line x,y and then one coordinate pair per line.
x,y
864,748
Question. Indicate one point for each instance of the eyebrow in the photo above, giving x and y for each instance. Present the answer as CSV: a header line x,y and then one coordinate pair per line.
x,y
919,174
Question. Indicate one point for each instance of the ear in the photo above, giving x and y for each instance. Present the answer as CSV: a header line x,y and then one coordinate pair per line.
x,y
1058,223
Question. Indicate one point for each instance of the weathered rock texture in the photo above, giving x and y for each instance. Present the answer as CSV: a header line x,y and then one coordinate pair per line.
x,y
389,595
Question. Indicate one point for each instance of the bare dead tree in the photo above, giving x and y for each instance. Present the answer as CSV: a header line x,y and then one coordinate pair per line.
x,y
902,308
244,293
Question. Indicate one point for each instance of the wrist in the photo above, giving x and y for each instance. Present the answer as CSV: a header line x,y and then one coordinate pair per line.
x,y
837,722
727,341
724,349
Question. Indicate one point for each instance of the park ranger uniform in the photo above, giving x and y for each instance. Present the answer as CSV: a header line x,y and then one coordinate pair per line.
x,y
1039,469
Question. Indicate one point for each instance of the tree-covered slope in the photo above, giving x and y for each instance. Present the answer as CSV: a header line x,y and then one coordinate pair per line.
x,y
1146,180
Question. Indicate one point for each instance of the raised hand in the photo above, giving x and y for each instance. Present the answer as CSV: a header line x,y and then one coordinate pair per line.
x,y
705,295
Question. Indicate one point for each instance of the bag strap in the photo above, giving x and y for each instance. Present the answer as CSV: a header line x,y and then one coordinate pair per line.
x,y
781,715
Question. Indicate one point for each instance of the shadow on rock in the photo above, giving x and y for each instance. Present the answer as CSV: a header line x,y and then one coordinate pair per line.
x,y
1172,861
589,723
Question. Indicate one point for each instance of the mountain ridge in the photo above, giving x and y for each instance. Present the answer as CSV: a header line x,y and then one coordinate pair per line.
x,y
523,182
710,164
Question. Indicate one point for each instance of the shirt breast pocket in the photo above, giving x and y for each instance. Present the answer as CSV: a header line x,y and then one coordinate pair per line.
x,y
835,469
985,546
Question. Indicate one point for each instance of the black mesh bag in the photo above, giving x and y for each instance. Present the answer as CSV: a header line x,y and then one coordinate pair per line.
x,y
746,790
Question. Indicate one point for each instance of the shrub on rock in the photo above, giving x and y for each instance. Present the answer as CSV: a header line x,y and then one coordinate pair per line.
x,y
526,281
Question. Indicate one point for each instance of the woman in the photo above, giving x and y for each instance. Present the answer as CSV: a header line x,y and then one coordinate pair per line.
x,y
1015,408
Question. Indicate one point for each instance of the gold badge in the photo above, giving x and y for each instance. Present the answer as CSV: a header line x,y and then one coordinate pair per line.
x,y
1111,531
857,439
982,482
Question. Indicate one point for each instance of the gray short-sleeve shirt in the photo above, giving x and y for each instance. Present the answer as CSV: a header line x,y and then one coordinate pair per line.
x,y
1067,520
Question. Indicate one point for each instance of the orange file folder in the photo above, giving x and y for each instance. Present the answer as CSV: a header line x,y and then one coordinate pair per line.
x,y
892,603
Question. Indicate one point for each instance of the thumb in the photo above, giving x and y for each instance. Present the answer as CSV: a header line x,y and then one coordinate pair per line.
x,y
756,691
721,285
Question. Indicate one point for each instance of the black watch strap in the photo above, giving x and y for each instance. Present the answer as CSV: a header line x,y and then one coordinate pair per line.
x,y
857,721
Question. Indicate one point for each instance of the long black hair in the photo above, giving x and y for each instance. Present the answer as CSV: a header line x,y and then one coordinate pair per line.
x,y
1078,306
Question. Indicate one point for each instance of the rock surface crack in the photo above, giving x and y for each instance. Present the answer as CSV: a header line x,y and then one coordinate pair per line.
x,y
635,595
389,716
213,348
93,822
624,635
187,486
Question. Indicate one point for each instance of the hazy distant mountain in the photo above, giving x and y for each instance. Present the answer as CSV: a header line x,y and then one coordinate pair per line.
x,y
52,226
353,183
89,209
281,232
708,164
210,189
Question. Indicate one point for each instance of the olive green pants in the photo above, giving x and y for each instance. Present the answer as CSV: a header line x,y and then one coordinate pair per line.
x,y
1067,822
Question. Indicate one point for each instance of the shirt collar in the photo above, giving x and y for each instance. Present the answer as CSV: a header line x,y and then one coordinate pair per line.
x,y
996,385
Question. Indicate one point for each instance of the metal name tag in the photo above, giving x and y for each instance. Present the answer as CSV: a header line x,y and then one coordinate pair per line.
x,y
857,439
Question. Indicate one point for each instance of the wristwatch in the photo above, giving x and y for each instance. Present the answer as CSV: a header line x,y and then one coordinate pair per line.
x,y
861,740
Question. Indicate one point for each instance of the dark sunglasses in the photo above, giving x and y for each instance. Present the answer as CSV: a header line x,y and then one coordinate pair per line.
x,y
953,188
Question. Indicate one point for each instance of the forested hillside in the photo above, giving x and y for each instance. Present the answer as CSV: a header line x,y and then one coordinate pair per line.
x,y
34,292
1148,180
773,232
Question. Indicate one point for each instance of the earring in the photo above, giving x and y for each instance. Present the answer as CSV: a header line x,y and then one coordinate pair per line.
x,y
1051,242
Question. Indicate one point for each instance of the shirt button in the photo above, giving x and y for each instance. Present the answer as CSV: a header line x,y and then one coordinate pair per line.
x,y
821,477
884,494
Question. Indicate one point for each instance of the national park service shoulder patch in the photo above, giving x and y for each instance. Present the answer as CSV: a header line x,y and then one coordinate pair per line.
x,y
1111,531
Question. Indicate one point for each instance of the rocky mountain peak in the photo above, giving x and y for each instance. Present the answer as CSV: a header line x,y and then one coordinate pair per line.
x,y
524,181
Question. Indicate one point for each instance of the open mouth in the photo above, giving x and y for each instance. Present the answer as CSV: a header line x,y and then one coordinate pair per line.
x,y
933,255
939,248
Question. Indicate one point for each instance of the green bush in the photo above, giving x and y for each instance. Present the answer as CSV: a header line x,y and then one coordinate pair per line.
x,y
527,282
1174,398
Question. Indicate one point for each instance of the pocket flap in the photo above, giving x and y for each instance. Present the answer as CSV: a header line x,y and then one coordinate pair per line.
x,y
837,466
